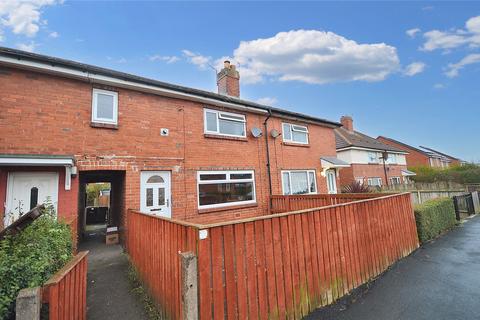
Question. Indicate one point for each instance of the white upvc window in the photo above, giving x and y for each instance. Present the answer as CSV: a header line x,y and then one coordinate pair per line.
x,y
225,188
104,106
392,158
374,182
395,180
373,157
359,180
299,182
294,133
224,123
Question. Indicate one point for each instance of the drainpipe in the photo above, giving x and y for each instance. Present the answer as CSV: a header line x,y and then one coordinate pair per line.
x,y
385,168
268,159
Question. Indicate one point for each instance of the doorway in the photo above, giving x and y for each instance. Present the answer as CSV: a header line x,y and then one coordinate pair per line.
x,y
331,181
155,194
101,203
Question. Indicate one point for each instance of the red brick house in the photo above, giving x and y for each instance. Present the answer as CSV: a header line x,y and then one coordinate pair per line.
x,y
371,162
166,149
422,156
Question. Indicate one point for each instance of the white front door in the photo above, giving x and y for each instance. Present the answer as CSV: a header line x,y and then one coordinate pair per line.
x,y
155,193
27,189
331,182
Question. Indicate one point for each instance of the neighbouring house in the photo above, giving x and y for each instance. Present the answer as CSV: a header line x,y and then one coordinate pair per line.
x,y
422,156
371,162
164,149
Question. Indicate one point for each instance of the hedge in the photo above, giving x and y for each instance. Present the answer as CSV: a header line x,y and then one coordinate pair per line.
x,y
434,217
469,173
31,257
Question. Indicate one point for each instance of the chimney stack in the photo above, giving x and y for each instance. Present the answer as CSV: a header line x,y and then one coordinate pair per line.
x,y
347,123
228,80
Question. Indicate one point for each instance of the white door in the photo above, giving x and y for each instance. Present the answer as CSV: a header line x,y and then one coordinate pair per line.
x,y
331,182
27,189
155,193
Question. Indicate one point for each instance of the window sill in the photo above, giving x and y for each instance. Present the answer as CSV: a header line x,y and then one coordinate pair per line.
x,y
293,144
215,136
226,208
104,125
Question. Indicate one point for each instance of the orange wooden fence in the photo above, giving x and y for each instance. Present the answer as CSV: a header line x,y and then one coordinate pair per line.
x,y
154,244
66,291
286,265
298,202
279,266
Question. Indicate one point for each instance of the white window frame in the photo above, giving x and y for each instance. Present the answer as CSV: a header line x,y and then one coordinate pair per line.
x,y
96,119
397,179
227,180
308,171
292,129
377,158
224,115
369,182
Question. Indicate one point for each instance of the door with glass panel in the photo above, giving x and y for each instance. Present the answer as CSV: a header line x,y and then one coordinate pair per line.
x,y
155,193
331,182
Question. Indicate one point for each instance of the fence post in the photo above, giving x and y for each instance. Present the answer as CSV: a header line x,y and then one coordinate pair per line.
x,y
28,304
189,286
457,210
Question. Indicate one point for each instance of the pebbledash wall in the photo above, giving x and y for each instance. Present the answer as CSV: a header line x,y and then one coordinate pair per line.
x,y
51,115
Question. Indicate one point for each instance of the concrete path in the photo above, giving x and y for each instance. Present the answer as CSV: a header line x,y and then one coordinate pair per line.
x,y
439,281
109,291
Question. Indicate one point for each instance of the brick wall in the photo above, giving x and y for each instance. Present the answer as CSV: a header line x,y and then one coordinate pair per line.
x,y
348,175
43,114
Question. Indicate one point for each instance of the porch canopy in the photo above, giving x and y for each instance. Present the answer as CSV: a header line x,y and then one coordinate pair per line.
x,y
408,173
39,160
333,162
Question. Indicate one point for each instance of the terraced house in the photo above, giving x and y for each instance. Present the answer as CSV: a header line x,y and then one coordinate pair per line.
x,y
165,149
372,162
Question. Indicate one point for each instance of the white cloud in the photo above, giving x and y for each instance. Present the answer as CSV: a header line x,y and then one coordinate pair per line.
x,y
414,68
54,34
197,59
412,32
453,69
315,57
30,47
167,59
439,86
446,40
269,101
23,17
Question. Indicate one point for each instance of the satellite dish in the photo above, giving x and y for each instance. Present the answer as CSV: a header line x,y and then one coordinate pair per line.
x,y
256,132
274,133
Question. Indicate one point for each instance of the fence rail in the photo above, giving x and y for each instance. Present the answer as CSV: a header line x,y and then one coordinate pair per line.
x,y
66,291
154,244
299,202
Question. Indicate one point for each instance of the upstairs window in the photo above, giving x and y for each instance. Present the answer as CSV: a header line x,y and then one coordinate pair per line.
x,y
225,123
392,158
294,133
104,106
225,188
373,157
299,182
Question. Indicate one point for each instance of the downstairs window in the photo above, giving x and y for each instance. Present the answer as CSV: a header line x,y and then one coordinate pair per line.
x,y
299,182
225,188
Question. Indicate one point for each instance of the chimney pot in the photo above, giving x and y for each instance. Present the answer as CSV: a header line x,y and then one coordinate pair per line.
x,y
347,123
226,64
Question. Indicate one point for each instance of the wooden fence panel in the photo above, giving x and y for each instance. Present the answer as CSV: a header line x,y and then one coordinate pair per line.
x,y
154,244
286,265
66,291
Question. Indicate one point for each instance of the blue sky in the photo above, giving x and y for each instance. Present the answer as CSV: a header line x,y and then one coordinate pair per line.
x,y
321,58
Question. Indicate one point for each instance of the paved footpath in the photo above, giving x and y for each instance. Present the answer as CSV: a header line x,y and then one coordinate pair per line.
x,y
109,292
439,281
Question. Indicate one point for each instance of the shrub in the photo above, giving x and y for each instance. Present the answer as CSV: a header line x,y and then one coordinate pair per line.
x,y
469,173
356,187
31,257
434,217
